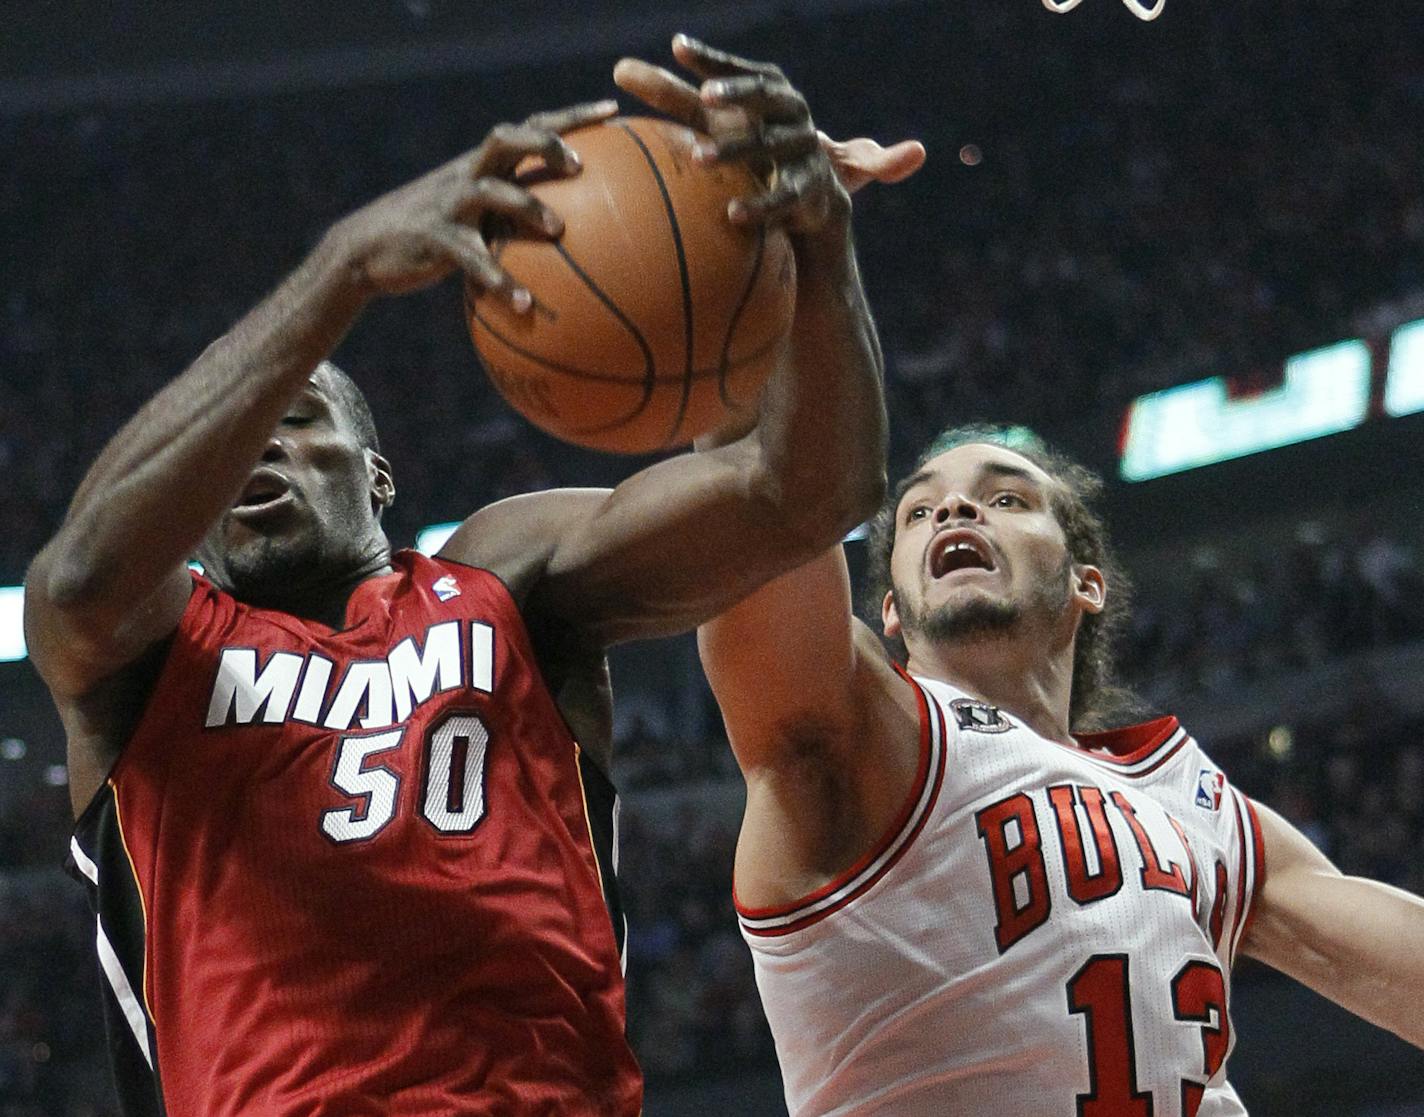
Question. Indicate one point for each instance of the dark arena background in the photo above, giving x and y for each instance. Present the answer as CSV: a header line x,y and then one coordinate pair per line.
x,y
1191,252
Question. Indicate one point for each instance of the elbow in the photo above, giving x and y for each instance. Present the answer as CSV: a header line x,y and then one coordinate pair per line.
x,y
65,574
819,514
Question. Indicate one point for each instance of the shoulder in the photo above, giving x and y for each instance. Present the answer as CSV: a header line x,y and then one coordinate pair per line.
x,y
515,538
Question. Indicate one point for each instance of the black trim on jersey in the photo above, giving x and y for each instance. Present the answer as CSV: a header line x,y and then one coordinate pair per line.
x,y
1005,936
118,905
1085,1010
467,663
312,659
1150,856
427,747
1091,880
361,800
1217,924
600,798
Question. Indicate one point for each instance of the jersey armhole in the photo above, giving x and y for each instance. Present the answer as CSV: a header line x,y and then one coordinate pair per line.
x,y
871,866
1250,863
164,651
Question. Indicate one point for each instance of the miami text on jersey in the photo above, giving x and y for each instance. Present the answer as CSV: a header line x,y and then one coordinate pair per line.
x,y
383,692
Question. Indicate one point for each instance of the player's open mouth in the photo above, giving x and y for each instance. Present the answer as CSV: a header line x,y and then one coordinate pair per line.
x,y
958,550
265,491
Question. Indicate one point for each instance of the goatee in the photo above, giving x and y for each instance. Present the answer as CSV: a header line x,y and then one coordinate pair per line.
x,y
977,619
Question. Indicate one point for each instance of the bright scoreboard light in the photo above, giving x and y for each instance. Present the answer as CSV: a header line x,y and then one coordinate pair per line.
x,y
428,541
12,629
1322,392
1404,390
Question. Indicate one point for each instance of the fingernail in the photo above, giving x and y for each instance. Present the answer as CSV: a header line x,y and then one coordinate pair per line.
x,y
607,105
736,211
716,89
552,223
704,151
521,300
573,157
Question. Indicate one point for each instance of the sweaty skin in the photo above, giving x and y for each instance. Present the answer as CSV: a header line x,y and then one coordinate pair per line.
x,y
826,732
252,457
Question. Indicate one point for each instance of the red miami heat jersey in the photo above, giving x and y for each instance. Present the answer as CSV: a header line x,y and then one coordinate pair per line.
x,y
363,872
1045,930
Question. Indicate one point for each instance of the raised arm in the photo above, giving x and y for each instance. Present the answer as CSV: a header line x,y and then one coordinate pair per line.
x,y
683,540
112,581
1356,941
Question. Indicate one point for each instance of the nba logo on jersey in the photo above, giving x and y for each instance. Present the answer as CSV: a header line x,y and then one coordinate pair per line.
x,y
1209,788
445,588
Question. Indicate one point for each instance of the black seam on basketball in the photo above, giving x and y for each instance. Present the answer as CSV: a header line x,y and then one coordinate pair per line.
x,y
609,377
722,366
682,273
649,383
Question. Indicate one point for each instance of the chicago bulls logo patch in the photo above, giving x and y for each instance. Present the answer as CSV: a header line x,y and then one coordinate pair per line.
x,y
979,717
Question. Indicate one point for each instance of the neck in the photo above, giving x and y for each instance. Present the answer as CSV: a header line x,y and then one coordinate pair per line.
x,y
321,597
1029,675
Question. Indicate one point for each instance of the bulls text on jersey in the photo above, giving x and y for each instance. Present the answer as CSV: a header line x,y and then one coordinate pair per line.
x,y
1092,864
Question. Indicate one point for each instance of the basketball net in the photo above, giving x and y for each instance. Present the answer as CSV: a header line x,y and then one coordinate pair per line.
x,y
1140,10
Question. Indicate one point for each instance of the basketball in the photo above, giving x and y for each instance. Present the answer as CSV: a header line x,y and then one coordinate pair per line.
x,y
655,318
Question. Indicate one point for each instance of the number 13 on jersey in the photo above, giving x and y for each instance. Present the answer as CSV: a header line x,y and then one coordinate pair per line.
x,y
1100,992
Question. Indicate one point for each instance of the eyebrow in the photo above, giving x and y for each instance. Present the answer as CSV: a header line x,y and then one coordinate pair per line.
x,y
991,469
1003,469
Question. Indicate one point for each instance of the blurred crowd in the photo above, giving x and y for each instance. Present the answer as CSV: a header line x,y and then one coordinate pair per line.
x,y
1352,780
1106,212
1233,619
1127,212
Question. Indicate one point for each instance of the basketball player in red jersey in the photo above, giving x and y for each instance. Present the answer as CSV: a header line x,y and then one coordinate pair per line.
x,y
960,899
344,813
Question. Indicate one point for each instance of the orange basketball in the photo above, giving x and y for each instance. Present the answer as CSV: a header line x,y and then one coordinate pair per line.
x,y
654,317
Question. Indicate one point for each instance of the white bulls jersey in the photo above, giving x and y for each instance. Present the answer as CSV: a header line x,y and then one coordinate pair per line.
x,y
1044,932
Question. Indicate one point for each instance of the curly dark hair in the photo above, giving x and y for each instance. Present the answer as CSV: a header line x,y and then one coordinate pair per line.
x,y
1097,700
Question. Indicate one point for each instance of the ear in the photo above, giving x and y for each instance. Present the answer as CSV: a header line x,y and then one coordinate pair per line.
x,y
1090,588
890,616
383,485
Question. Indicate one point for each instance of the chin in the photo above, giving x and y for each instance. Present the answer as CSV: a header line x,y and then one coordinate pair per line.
x,y
268,567
975,616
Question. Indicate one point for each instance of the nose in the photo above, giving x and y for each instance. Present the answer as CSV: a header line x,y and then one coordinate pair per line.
x,y
957,506
274,451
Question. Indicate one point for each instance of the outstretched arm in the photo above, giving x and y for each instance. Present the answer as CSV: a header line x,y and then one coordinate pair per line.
x,y
1356,941
112,581
683,540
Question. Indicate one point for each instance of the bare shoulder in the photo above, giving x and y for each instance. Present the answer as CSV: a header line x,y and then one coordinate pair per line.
x,y
78,643
516,538
829,795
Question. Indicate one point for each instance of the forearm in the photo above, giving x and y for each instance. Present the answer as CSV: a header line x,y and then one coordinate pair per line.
x,y
179,463
822,428
1356,941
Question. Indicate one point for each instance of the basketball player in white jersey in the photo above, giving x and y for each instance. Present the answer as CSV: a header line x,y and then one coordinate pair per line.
x,y
959,901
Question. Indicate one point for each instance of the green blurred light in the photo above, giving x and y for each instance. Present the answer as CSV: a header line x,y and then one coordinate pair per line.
x,y
1323,392
1404,392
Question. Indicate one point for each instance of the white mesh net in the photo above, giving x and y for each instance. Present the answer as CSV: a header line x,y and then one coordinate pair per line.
x,y
1136,7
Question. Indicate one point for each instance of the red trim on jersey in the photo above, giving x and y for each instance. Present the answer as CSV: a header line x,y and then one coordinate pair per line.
x,y
888,839
142,907
1243,869
1258,849
1129,744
